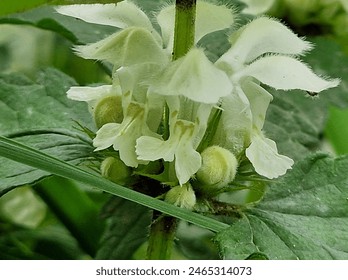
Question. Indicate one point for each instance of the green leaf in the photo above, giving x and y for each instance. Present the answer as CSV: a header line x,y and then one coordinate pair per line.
x,y
40,115
127,228
337,131
28,105
46,242
29,156
74,209
58,143
302,216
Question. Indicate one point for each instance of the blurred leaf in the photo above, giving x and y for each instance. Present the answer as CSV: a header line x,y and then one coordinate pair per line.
x,y
337,130
46,242
302,216
23,207
127,228
74,209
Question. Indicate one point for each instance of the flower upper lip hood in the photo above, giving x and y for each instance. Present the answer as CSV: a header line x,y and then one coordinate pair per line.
x,y
126,14
264,49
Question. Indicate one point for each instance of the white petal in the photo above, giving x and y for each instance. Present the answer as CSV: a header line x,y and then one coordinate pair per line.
x,y
194,77
234,129
209,18
166,19
281,72
187,162
122,15
106,136
261,36
89,93
259,100
263,155
257,7
149,148
134,45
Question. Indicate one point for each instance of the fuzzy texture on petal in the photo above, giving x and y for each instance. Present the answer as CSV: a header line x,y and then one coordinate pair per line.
x,y
194,77
89,93
209,18
261,36
131,46
257,7
263,155
122,15
234,128
286,73
259,100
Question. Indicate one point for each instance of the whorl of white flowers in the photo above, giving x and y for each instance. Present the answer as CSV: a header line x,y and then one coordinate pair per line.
x,y
263,52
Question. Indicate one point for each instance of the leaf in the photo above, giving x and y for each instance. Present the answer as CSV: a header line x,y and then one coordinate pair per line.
x,y
27,105
61,143
73,207
29,156
127,228
302,216
336,130
40,115
45,242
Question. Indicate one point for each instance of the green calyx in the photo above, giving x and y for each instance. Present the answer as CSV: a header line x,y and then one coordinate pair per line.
x,y
219,167
108,110
115,170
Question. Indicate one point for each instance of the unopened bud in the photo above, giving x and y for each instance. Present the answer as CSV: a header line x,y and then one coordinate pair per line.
x,y
115,170
181,196
108,110
219,167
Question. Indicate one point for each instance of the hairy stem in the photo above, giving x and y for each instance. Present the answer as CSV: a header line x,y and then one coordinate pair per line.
x,y
184,31
161,238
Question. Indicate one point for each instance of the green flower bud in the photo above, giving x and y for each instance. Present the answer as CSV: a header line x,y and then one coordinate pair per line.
x,y
219,167
115,170
181,196
108,110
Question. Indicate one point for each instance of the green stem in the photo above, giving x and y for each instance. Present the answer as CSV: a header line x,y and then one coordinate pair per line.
x,y
162,232
184,30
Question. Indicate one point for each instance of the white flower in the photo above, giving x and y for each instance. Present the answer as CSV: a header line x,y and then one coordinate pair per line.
x,y
262,152
138,43
93,95
123,136
126,15
194,77
184,137
262,51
